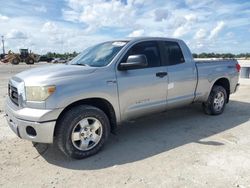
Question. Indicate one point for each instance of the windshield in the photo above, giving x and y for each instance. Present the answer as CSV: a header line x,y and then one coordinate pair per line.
x,y
99,55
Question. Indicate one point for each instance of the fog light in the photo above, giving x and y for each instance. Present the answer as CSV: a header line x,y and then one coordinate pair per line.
x,y
30,131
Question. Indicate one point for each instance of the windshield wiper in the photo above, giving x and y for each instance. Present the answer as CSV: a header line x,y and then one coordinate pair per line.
x,y
80,64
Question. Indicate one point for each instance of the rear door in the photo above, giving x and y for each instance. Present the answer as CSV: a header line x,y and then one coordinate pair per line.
x,y
181,74
143,90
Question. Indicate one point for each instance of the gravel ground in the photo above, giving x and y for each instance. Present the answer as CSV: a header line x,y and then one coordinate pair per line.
x,y
179,148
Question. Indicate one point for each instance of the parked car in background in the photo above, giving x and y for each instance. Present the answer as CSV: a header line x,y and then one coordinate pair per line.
x,y
76,105
45,58
58,60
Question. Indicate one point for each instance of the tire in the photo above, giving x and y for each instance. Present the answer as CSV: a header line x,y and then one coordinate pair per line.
x,y
216,102
82,122
15,61
30,61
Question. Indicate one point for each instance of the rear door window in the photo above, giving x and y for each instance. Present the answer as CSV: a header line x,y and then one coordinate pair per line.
x,y
172,53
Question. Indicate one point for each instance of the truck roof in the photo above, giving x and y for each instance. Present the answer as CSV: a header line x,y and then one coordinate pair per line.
x,y
146,38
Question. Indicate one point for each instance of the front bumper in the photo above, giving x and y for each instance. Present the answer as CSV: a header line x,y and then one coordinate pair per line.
x,y
37,131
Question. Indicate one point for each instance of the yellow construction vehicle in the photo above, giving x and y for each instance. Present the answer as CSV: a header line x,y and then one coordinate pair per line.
x,y
24,56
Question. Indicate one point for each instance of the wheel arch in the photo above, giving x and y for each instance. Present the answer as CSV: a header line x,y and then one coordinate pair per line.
x,y
100,103
224,82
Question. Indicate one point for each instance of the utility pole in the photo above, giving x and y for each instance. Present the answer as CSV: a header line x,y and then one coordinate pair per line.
x,y
3,45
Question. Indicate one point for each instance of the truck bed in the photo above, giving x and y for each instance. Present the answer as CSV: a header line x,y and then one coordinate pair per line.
x,y
210,70
215,61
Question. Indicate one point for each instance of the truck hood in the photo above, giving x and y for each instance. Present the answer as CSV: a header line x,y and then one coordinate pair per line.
x,y
47,73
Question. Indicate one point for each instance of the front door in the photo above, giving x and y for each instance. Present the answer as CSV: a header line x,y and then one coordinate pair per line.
x,y
143,90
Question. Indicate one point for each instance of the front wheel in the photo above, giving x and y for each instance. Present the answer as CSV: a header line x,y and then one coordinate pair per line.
x,y
216,102
15,61
82,131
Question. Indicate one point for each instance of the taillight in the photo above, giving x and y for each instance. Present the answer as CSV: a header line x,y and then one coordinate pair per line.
x,y
238,67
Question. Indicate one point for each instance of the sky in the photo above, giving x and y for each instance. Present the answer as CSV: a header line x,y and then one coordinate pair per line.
x,y
221,26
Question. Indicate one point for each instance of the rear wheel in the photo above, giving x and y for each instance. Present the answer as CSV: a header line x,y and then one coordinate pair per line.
x,y
216,102
82,131
30,61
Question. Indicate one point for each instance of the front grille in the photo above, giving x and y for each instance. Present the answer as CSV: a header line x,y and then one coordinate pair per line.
x,y
13,94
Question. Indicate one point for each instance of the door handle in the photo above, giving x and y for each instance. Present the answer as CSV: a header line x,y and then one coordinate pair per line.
x,y
161,74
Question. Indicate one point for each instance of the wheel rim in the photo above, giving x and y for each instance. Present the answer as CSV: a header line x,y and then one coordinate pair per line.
x,y
219,101
87,133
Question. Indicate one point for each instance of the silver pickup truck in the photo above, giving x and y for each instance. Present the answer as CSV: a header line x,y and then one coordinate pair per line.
x,y
76,105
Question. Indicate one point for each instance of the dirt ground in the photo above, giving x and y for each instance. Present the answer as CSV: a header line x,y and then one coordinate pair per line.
x,y
179,148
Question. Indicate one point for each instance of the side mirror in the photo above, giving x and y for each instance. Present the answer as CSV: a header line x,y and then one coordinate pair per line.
x,y
134,61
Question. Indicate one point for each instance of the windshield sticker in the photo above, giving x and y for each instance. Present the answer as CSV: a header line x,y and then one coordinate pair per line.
x,y
119,43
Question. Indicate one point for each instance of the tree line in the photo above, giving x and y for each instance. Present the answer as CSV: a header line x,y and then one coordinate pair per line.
x,y
195,55
222,55
61,55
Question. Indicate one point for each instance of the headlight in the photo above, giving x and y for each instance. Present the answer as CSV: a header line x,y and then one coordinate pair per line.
x,y
21,90
39,93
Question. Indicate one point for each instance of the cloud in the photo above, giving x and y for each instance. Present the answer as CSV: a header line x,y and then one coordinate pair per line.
x,y
191,17
57,39
136,2
195,4
161,14
195,22
203,38
98,13
16,34
200,34
50,27
214,33
180,31
3,18
76,24
42,9
186,23
42,36
137,33
70,15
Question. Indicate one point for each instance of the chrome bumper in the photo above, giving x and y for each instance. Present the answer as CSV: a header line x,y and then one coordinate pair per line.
x,y
42,132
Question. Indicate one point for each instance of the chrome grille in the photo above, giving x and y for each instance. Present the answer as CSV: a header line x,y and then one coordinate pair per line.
x,y
13,94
